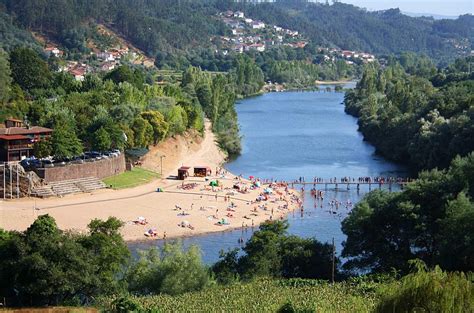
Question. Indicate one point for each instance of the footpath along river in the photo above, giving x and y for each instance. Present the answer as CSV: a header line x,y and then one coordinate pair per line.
x,y
291,134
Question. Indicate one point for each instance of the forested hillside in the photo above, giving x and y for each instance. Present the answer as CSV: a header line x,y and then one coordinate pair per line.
x,y
164,27
159,25
385,32
414,113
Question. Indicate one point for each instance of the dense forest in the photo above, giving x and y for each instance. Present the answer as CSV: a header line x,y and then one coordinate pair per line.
x,y
414,113
178,32
432,220
421,116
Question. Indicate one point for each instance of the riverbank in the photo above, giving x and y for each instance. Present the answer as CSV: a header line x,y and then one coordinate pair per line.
x,y
334,82
193,204
284,87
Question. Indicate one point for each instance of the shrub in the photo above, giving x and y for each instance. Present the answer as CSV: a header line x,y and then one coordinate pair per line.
x,y
429,291
170,270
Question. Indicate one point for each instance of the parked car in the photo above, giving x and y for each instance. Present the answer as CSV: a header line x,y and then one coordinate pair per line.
x,y
47,163
110,154
78,160
30,163
59,162
93,155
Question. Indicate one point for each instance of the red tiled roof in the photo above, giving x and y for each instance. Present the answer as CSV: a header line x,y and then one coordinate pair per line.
x,y
14,120
13,137
24,131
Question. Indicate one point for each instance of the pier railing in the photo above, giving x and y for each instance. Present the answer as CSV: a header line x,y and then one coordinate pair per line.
x,y
349,182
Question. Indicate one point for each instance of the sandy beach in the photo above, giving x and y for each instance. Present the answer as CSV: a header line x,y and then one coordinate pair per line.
x,y
183,208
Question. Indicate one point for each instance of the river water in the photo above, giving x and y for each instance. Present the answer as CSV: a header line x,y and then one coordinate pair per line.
x,y
292,134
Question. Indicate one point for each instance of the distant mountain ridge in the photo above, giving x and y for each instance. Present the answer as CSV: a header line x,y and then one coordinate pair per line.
x,y
435,16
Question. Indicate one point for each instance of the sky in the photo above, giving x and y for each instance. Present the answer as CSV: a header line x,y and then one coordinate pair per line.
x,y
438,7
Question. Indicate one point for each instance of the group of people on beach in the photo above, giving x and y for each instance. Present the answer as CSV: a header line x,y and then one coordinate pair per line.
x,y
273,200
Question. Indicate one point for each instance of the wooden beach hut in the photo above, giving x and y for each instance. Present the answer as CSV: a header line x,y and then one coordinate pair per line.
x,y
202,171
183,172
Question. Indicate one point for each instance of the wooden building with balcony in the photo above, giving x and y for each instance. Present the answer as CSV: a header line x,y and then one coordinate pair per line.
x,y
17,140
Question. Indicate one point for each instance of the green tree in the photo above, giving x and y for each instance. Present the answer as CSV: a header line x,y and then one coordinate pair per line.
x,y
142,132
107,254
272,252
101,140
428,291
170,270
42,149
45,266
158,123
458,234
177,120
5,77
124,73
64,142
29,70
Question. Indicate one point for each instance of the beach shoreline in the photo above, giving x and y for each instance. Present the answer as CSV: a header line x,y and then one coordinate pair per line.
x,y
202,207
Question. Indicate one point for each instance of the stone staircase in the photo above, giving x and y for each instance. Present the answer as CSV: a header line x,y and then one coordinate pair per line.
x,y
66,187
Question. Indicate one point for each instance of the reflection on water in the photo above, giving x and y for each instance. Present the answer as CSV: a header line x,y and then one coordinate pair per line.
x,y
292,134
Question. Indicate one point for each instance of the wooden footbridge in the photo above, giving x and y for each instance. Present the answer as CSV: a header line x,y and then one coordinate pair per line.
x,y
341,184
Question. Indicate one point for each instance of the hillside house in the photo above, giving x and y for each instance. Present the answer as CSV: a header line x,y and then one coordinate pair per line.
x,y
52,50
107,66
17,140
79,73
260,47
258,25
239,14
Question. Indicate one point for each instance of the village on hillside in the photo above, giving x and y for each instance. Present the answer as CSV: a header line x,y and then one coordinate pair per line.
x,y
107,52
254,35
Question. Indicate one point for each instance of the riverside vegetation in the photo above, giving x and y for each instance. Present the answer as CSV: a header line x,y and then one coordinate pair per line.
x,y
123,108
46,266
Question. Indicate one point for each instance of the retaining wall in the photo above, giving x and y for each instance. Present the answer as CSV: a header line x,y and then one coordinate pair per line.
x,y
100,169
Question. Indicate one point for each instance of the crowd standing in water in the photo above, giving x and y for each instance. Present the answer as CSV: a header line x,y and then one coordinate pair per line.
x,y
347,179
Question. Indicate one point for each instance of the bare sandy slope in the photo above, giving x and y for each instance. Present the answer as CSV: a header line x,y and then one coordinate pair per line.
x,y
201,206
189,149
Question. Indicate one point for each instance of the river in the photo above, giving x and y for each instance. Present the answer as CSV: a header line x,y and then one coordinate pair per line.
x,y
291,134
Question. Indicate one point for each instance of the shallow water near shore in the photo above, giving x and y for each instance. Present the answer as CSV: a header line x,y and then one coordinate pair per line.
x,y
288,135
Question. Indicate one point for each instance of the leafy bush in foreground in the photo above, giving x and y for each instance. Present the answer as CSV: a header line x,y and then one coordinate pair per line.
x,y
429,291
171,270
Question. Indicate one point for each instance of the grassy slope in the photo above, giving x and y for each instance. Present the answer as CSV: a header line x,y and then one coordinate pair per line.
x,y
137,176
265,295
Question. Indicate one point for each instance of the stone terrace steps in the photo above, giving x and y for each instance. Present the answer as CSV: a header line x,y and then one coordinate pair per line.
x,y
71,186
